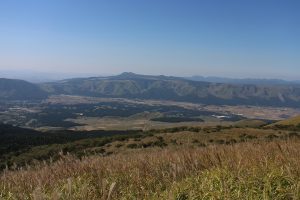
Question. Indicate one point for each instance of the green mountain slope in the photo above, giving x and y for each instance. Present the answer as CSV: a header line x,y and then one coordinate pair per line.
x,y
11,89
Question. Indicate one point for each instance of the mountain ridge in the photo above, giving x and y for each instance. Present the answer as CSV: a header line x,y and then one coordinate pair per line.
x,y
255,81
130,85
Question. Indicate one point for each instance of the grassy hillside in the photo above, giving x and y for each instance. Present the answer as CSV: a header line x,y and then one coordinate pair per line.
x,y
11,89
263,170
129,85
295,121
289,124
212,162
20,146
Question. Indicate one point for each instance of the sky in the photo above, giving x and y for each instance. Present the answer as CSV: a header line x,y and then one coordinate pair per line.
x,y
228,38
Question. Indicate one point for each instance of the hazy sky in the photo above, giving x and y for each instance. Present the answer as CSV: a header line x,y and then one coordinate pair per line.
x,y
232,38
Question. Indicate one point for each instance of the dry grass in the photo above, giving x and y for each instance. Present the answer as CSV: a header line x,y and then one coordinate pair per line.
x,y
252,170
295,121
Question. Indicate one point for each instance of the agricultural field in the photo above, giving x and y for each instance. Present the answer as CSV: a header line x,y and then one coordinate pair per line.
x,y
63,112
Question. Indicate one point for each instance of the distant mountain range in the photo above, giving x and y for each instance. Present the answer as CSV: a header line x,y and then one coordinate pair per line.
x,y
42,77
130,85
212,79
39,77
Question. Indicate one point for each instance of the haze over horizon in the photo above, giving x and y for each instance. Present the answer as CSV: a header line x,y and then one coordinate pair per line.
x,y
235,39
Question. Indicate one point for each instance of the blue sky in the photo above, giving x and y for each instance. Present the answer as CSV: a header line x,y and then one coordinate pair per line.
x,y
231,38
